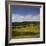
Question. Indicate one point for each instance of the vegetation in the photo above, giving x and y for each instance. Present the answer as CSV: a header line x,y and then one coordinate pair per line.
x,y
26,30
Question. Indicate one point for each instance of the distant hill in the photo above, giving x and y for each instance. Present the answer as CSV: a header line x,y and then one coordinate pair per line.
x,y
24,23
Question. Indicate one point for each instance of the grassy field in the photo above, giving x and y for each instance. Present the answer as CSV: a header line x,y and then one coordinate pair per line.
x,y
27,30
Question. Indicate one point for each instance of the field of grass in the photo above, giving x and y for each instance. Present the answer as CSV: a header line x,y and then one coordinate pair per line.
x,y
31,30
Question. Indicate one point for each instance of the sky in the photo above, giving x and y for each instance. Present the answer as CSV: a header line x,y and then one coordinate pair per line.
x,y
20,13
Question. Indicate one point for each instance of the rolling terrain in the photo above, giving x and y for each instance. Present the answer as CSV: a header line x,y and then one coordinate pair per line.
x,y
26,29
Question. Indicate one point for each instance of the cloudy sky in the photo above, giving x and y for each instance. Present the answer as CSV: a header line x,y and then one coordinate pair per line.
x,y
20,14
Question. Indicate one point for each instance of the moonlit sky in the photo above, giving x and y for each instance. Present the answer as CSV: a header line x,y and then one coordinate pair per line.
x,y
20,14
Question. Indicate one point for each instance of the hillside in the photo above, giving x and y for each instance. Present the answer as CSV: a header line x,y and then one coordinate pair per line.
x,y
25,28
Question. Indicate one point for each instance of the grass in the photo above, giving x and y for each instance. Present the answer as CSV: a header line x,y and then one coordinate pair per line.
x,y
26,31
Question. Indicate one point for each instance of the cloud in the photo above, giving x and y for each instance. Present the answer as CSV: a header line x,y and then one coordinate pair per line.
x,y
32,18
21,18
17,18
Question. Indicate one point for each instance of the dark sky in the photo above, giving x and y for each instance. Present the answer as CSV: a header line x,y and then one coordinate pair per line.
x,y
25,10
